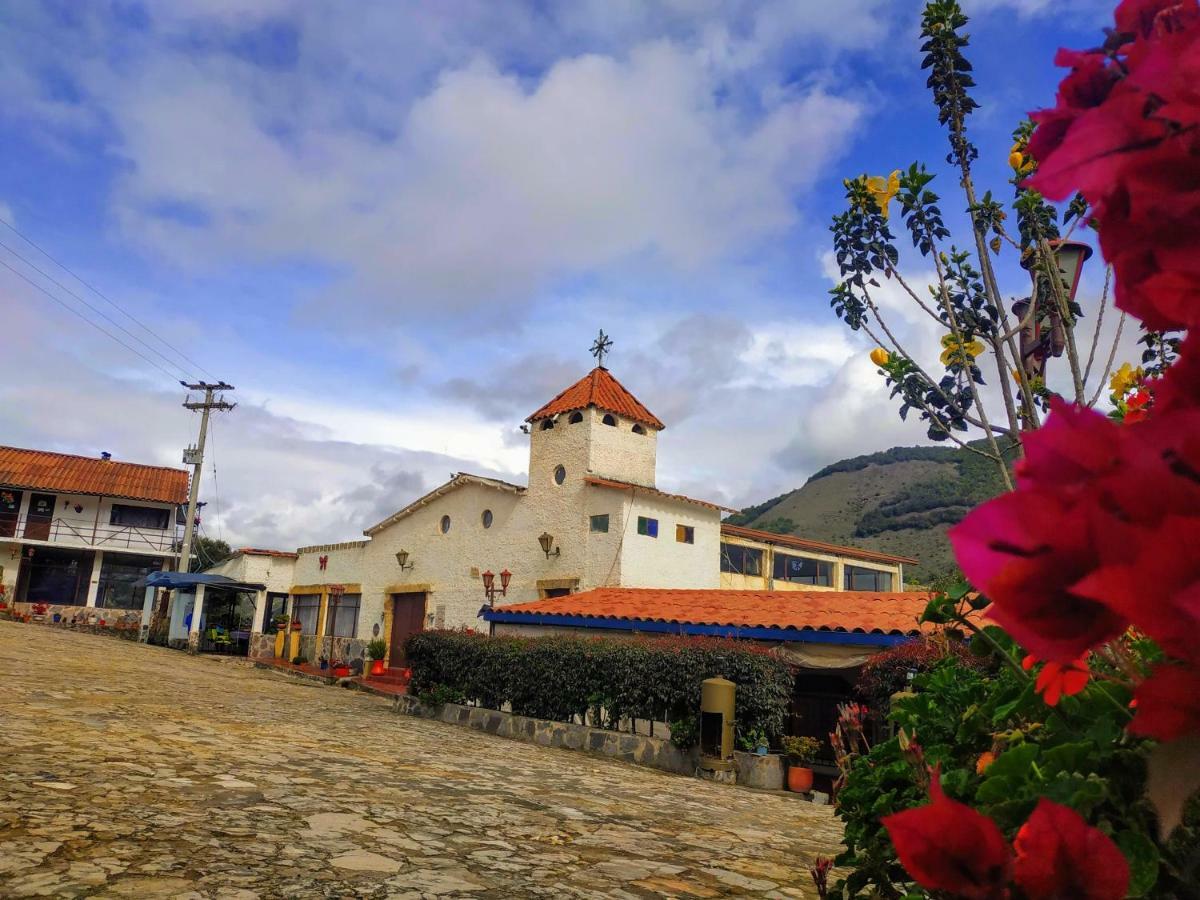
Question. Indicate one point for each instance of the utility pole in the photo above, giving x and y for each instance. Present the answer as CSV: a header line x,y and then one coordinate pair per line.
x,y
194,457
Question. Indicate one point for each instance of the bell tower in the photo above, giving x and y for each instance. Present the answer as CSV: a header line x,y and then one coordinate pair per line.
x,y
595,427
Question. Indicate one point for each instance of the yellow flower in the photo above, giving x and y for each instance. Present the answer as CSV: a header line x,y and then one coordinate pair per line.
x,y
884,189
964,353
880,357
1125,378
1020,163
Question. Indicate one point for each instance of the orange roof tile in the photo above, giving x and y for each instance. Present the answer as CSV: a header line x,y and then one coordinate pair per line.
x,y
41,470
655,492
790,540
598,388
860,612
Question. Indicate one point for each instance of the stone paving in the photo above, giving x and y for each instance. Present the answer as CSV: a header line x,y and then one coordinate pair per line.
x,y
134,771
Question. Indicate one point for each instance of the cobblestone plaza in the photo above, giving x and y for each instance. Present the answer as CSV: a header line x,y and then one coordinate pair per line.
x,y
135,771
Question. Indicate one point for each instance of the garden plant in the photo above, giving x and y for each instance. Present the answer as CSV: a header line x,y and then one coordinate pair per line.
x,y
601,681
1071,766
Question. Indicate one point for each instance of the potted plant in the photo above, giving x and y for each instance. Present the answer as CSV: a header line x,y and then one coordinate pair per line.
x,y
299,660
340,669
801,751
377,650
755,741
322,663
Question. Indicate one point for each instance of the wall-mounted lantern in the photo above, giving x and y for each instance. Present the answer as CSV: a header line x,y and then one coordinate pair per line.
x,y
402,559
547,542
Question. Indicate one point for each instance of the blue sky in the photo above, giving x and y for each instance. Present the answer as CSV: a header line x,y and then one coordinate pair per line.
x,y
396,228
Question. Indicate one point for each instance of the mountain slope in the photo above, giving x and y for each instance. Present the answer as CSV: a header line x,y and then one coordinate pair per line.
x,y
899,501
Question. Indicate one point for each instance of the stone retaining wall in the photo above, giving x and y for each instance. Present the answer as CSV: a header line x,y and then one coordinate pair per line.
x,y
643,750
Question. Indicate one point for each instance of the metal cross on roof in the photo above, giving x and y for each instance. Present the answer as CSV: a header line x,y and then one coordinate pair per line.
x,y
600,347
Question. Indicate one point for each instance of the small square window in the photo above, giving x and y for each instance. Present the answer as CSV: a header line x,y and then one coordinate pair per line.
x,y
600,524
685,534
647,526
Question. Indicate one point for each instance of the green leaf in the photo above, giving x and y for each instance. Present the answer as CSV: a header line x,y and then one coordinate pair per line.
x,y
1005,710
1076,757
1143,859
1016,762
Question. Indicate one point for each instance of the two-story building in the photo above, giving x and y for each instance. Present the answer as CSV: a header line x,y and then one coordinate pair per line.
x,y
78,533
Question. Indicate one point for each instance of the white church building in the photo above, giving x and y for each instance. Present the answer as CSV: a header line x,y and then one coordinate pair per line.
x,y
589,517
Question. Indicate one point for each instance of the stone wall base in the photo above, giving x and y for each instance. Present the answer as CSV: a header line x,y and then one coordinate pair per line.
x,y
643,750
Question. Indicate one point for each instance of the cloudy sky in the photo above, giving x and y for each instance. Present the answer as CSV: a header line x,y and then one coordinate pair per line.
x,y
396,228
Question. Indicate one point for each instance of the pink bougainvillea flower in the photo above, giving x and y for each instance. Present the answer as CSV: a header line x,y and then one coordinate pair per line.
x,y
1179,388
1058,680
947,846
1025,550
1142,18
1168,703
1060,856
1155,584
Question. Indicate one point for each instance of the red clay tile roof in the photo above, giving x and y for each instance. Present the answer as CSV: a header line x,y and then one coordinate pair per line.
x,y
255,551
41,470
654,492
789,540
862,612
598,388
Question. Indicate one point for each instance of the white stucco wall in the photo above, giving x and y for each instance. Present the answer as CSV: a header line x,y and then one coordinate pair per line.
x,y
276,572
90,527
664,561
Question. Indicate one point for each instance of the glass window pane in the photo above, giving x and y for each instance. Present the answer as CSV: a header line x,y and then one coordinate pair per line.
x,y
342,617
600,523
802,570
859,578
304,610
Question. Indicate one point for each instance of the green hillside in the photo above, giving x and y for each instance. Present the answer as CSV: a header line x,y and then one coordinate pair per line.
x,y
900,501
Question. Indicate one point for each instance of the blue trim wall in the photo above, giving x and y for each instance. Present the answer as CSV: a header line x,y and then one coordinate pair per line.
x,y
756,634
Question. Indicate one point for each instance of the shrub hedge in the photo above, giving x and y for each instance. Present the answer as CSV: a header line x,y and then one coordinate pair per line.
x,y
560,677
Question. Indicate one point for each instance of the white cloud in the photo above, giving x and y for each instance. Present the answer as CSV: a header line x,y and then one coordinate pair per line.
x,y
492,187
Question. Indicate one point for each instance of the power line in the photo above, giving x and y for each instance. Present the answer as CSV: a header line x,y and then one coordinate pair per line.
x,y
98,312
212,434
95,290
76,312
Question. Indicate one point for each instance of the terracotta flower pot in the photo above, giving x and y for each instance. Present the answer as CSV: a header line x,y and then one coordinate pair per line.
x,y
377,667
341,671
800,779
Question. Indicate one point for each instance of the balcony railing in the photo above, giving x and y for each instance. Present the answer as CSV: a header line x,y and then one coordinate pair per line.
x,y
34,529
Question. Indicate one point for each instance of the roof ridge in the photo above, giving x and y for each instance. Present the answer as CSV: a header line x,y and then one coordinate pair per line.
x,y
97,459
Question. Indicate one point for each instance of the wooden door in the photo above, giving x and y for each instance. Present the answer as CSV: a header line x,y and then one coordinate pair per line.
x,y
10,505
408,617
41,513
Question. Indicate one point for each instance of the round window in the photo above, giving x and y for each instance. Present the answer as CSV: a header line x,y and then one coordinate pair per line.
x,y
445,526
560,475
487,518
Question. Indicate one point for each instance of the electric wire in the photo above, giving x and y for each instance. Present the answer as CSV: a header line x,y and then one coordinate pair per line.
x,y
95,290
216,486
71,309
97,311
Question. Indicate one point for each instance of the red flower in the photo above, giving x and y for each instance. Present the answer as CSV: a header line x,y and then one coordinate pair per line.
x,y
1060,856
1139,18
1168,703
1058,680
1179,388
1025,551
1155,584
947,846
1137,407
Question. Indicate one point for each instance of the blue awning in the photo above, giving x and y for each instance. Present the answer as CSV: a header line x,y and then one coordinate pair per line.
x,y
187,581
